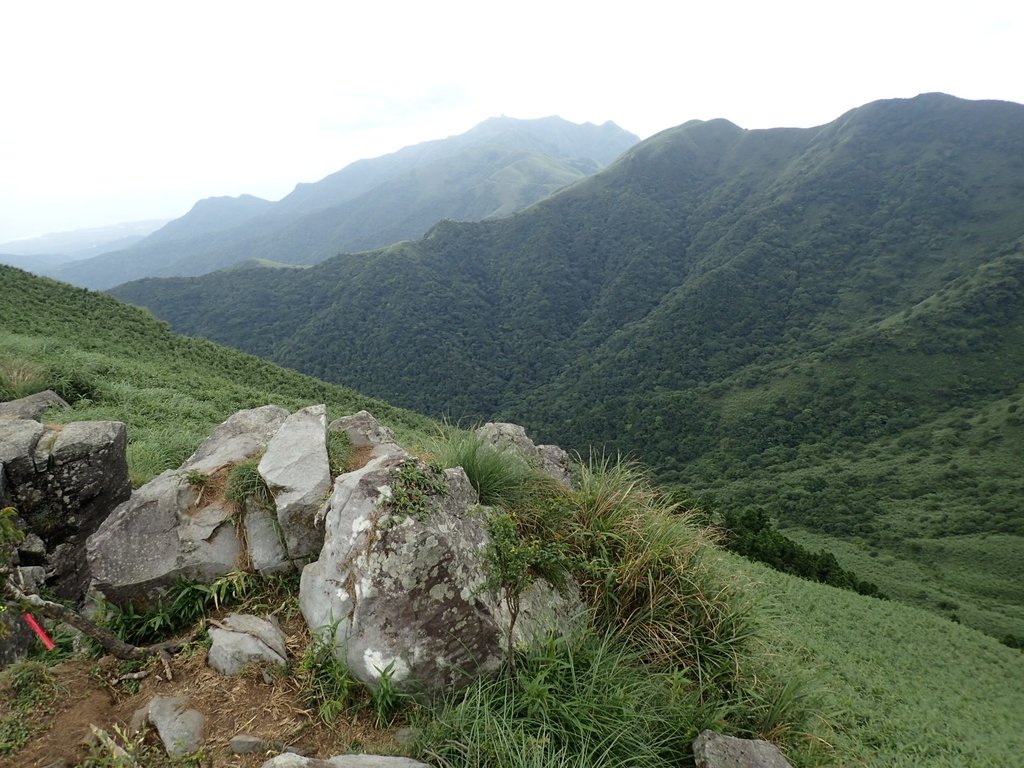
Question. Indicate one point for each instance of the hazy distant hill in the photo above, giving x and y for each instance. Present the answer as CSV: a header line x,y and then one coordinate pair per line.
x,y
209,216
825,323
497,168
48,251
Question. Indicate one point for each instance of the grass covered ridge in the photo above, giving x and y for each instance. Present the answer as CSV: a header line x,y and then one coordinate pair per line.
x,y
116,362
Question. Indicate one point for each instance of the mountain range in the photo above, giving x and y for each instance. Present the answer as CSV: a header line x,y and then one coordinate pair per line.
x,y
491,171
825,324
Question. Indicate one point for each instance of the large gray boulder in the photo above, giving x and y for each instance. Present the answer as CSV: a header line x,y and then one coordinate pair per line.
x,y
64,481
401,584
160,534
240,437
296,470
550,459
33,406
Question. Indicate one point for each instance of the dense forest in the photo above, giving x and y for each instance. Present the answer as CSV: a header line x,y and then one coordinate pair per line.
x,y
822,325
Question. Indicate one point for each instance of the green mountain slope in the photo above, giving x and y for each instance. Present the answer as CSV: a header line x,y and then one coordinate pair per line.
x,y
495,169
892,685
113,361
825,323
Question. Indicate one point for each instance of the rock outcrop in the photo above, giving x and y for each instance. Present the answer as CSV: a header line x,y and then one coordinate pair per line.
x,y
297,473
400,583
168,529
550,459
364,431
162,533
64,481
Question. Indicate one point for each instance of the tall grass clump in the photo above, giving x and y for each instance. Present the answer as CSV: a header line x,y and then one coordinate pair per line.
x,y
640,561
502,478
20,377
661,651
244,481
581,700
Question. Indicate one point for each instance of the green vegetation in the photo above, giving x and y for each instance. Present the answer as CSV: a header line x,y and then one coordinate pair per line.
x,y
501,478
413,488
185,603
577,701
28,690
753,536
897,686
245,481
825,324
885,684
111,361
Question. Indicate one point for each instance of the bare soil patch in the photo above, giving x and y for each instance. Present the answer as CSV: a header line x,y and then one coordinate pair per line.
x,y
268,703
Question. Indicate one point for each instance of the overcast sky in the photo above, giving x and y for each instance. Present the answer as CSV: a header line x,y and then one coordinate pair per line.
x,y
121,111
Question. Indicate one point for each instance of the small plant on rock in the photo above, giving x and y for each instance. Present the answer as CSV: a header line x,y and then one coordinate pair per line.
x,y
413,487
245,481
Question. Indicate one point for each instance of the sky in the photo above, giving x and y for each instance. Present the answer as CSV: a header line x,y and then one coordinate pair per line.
x,y
124,111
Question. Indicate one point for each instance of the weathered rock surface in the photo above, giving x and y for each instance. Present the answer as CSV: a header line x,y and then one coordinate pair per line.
x,y
16,639
364,430
291,760
550,459
296,470
64,481
403,588
159,535
241,639
248,743
168,530
713,750
33,406
240,437
180,728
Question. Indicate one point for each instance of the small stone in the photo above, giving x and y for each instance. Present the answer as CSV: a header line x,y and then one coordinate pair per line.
x,y
32,547
180,729
139,720
246,743
713,750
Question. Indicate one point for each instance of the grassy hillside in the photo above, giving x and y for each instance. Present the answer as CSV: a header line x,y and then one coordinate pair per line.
x,y
890,685
895,686
824,323
113,361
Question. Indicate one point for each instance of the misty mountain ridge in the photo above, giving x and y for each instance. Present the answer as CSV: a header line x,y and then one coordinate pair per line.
x,y
59,247
493,170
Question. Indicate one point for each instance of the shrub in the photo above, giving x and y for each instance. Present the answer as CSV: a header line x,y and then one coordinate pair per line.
x,y
20,378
